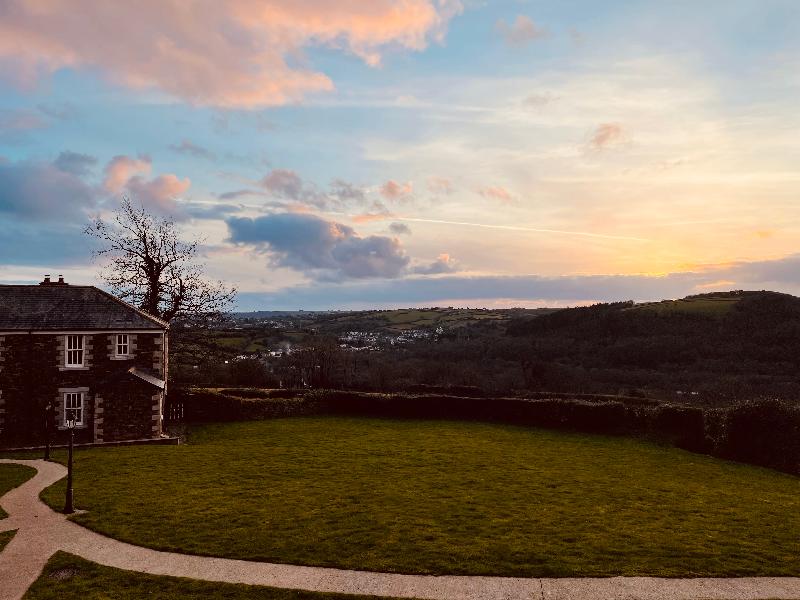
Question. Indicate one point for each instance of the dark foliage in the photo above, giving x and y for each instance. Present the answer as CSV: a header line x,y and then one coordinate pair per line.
x,y
762,432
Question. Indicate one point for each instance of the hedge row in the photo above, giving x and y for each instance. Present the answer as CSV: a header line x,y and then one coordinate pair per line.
x,y
209,405
765,432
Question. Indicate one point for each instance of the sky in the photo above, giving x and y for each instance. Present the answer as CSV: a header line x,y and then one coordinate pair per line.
x,y
348,154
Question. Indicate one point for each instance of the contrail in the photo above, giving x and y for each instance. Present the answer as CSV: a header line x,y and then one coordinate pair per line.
x,y
517,228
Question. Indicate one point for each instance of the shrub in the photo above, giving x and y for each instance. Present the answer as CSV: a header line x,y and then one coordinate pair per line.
x,y
682,426
762,432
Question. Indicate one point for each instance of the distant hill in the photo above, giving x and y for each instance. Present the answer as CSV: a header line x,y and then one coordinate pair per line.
x,y
398,320
745,343
391,321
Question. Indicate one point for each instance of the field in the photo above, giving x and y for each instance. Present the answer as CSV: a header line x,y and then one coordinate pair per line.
x,y
707,306
399,320
442,497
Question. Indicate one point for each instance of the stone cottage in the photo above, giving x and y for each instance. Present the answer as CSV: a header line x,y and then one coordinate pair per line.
x,y
79,348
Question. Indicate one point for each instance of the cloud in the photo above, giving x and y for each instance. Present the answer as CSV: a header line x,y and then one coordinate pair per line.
x,y
121,168
20,120
444,263
322,249
498,193
522,31
781,275
399,229
160,193
75,163
288,185
606,135
47,244
189,149
370,217
16,124
346,191
440,185
43,191
212,211
235,194
128,176
396,192
238,53
539,100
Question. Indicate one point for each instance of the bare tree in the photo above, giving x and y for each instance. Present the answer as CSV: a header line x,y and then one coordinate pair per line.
x,y
153,268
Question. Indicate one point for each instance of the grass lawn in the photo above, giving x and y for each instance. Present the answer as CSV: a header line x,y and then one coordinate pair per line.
x,y
442,497
11,476
67,576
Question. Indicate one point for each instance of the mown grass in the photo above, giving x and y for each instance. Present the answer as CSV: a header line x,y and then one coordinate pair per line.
x,y
67,576
442,497
11,476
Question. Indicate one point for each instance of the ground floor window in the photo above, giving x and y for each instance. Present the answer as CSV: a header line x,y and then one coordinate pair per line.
x,y
73,407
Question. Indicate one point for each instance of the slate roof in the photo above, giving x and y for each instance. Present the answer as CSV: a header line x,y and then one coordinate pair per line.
x,y
68,307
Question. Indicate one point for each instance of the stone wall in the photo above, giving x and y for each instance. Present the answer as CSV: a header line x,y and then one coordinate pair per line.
x,y
117,405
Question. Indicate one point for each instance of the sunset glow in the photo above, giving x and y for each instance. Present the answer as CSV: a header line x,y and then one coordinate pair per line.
x,y
412,152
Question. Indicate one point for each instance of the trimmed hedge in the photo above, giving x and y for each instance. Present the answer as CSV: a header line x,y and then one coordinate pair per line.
x,y
762,432
765,432
204,405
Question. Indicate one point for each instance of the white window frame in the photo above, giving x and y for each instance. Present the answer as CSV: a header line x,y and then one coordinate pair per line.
x,y
70,398
122,341
79,350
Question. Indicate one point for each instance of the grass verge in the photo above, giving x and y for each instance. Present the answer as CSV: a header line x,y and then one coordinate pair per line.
x,y
66,576
11,476
442,497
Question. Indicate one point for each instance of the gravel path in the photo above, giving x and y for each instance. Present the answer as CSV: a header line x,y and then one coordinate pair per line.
x,y
41,532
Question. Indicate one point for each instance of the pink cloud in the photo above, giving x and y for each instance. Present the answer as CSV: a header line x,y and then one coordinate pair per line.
x,y
228,54
159,194
521,31
127,175
394,191
607,134
121,168
498,193
444,263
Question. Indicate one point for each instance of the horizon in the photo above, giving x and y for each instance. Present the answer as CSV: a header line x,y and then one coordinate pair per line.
x,y
438,152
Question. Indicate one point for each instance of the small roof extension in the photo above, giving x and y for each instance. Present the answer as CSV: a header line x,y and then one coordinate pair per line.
x,y
52,306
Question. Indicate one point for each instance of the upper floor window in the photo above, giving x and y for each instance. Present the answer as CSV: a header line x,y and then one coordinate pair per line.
x,y
122,345
73,408
74,351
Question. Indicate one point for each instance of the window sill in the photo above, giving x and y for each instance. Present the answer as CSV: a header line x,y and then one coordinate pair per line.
x,y
125,357
65,368
65,428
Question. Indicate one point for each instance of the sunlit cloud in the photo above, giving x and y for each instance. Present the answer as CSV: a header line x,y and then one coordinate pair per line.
x,y
520,228
240,53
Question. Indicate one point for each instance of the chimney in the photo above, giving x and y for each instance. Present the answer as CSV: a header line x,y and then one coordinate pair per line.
x,y
61,280
46,280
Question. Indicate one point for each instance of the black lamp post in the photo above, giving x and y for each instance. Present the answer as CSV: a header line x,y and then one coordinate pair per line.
x,y
70,423
48,415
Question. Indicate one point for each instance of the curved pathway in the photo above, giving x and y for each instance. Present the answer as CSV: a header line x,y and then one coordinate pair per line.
x,y
41,532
